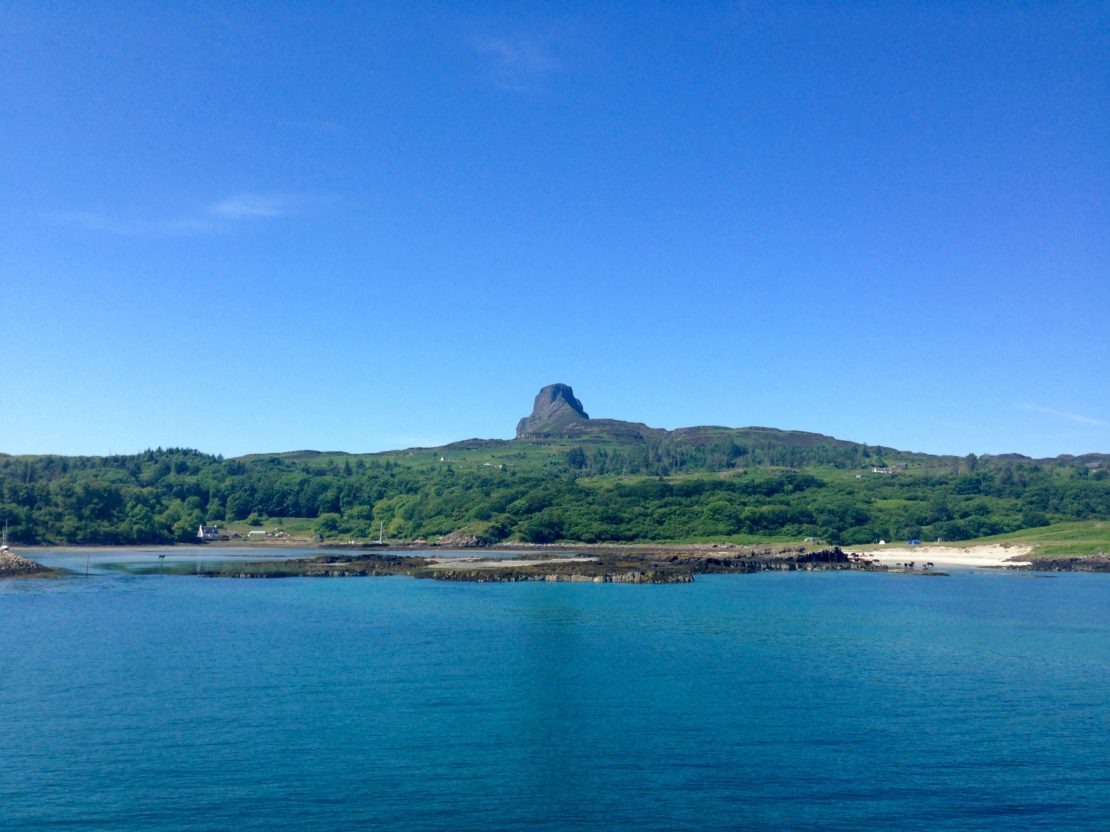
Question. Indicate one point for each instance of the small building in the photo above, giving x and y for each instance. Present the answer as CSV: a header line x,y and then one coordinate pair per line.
x,y
208,532
257,533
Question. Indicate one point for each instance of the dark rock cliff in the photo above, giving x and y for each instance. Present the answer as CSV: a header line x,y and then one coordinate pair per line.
x,y
555,408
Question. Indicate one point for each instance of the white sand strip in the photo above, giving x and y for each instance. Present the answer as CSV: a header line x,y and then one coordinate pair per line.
x,y
992,555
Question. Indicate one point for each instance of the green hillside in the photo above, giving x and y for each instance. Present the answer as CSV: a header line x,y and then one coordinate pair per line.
x,y
708,484
565,478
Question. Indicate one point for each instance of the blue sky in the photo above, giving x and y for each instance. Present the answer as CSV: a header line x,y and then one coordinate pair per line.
x,y
248,227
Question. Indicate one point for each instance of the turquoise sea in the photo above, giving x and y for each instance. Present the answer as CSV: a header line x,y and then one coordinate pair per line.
x,y
805,701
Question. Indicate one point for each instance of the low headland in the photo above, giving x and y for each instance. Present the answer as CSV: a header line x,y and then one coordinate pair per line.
x,y
17,566
596,564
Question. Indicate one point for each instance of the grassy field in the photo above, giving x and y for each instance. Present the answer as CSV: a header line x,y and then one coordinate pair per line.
x,y
300,527
1086,537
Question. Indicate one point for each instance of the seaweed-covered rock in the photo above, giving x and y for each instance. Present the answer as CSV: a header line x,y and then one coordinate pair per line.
x,y
1099,562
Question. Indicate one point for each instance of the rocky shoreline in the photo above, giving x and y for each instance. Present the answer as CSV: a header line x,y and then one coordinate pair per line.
x,y
588,565
597,563
16,566
1091,563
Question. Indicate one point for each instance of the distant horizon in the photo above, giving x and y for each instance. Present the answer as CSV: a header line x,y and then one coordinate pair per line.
x,y
326,450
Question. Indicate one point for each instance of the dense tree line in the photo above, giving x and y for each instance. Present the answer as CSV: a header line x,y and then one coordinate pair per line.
x,y
676,452
162,496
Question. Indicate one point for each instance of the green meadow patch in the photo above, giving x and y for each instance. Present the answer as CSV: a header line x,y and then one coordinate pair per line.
x,y
1075,539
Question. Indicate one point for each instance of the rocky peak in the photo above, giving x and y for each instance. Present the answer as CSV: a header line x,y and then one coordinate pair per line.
x,y
555,407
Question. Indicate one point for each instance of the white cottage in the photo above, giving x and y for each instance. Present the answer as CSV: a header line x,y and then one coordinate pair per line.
x,y
208,532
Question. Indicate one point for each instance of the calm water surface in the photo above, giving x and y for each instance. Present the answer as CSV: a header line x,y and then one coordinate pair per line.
x,y
806,701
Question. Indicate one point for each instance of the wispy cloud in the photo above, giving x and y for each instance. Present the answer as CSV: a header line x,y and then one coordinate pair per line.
x,y
516,63
1060,414
250,206
216,216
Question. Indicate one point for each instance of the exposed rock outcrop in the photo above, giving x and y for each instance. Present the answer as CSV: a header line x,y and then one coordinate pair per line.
x,y
557,413
555,408
13,565
459,539
1099,562
607,564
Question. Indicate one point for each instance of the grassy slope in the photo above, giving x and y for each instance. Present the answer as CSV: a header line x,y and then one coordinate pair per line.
x,y
1058,540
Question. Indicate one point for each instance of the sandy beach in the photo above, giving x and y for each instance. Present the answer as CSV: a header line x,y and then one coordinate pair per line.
x,y
993,555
